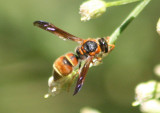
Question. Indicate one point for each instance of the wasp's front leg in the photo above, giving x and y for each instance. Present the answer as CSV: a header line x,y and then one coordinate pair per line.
x,y
111,46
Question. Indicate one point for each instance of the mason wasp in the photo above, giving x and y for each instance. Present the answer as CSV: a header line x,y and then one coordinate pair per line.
x,y
89,50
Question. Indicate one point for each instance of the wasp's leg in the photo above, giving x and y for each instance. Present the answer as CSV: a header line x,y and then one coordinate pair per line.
x,y
71,81
110,45
96,61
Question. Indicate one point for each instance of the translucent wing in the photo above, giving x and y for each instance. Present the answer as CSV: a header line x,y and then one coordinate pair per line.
x,y
57,31
82,75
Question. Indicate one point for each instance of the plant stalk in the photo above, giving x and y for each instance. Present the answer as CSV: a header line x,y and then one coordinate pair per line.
x,y
128,20
120,2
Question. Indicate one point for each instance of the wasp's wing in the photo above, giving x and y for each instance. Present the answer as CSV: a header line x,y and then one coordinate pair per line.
x,y
57,31
82,75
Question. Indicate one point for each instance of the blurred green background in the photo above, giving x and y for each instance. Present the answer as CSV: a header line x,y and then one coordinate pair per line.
x,y
27,54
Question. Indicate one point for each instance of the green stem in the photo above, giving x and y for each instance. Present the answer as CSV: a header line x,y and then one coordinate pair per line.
x,y
121,2
128,20
155,90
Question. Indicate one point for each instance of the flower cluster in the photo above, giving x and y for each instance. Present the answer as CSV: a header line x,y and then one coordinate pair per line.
x,y
92,9
147,96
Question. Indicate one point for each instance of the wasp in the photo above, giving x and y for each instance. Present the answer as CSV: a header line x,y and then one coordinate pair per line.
x,y
89,50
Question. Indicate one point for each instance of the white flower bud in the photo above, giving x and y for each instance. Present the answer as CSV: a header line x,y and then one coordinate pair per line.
x,y
92,9
158,27
151,106
89,110
157,70
50,81
146,91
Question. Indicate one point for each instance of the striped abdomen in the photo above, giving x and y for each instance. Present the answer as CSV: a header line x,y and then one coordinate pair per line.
x,y
64,65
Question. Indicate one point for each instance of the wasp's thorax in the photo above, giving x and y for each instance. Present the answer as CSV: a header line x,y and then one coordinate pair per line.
x,y
92,47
